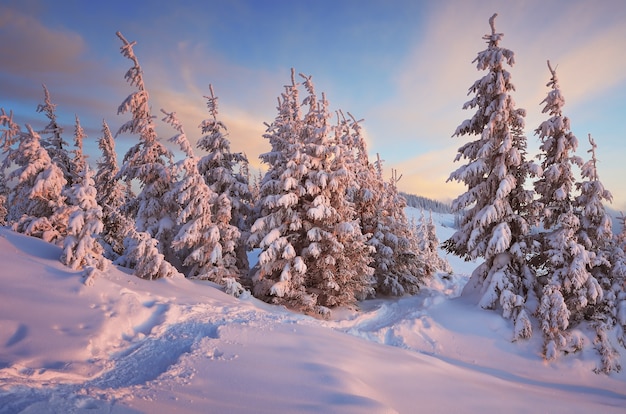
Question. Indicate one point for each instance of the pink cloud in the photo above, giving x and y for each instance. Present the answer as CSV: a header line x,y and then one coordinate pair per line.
x,y
29,47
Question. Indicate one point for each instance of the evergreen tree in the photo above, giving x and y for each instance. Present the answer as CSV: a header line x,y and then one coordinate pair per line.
x,y
607,263
313,253
401,264
110,195
563,262
205,243
147,162
54,143
4,193
37,194
78,162
226,174
9,135
495,208
142,255
81,249
335,249
431,246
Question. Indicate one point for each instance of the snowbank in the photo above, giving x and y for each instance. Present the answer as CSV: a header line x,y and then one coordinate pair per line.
x,y
125,345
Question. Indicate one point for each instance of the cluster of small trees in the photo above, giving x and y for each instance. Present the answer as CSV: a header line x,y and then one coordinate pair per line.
x,y
330,230
551,259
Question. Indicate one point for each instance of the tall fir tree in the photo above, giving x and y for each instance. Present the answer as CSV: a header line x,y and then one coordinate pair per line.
x,y
205,241
495,209
567,288
148,162
81,249
54,142
4,195
37,194
401,265
110,195
607,262
78,161
313,253
226,173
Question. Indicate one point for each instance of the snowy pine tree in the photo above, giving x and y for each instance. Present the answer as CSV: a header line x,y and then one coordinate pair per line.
x,y
431,247
148,162
495,208
54,142
226,173
567,288
110,195
37,194
4,194
78,162
141,253
607,265
81,249
205,242
313,253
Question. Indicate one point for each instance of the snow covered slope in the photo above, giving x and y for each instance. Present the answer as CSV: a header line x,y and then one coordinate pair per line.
x,y
125,345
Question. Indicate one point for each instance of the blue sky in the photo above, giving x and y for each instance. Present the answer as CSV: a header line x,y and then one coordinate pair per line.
x,y
402,66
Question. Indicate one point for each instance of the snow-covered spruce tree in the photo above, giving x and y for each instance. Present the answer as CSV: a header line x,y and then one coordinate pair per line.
x,y
79,160
142,255
429,242
495,208
337,255
4,194
607,263
110,195
81,249
568,289
37,194
9,135
280,273
313,253
401,265
226,173
148,162
204,242
53,141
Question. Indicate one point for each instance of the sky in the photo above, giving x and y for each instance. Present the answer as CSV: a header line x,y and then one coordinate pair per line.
x,y
404,67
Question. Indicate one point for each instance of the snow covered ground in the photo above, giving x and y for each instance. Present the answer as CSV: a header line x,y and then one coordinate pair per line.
x,y
126,345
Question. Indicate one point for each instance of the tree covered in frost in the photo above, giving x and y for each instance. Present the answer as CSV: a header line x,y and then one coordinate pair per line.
x,y
78,162
205,241
495,208
607,258
401,265
147,162
4,194
9,136
53,137
226,174
142,255
37,194
563,262
110,195
429,243
81,249
313,254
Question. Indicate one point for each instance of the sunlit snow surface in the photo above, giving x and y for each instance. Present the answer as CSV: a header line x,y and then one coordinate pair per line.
x,y
125,345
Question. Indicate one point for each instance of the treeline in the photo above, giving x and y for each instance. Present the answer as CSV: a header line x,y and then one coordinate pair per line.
x,y
330,230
